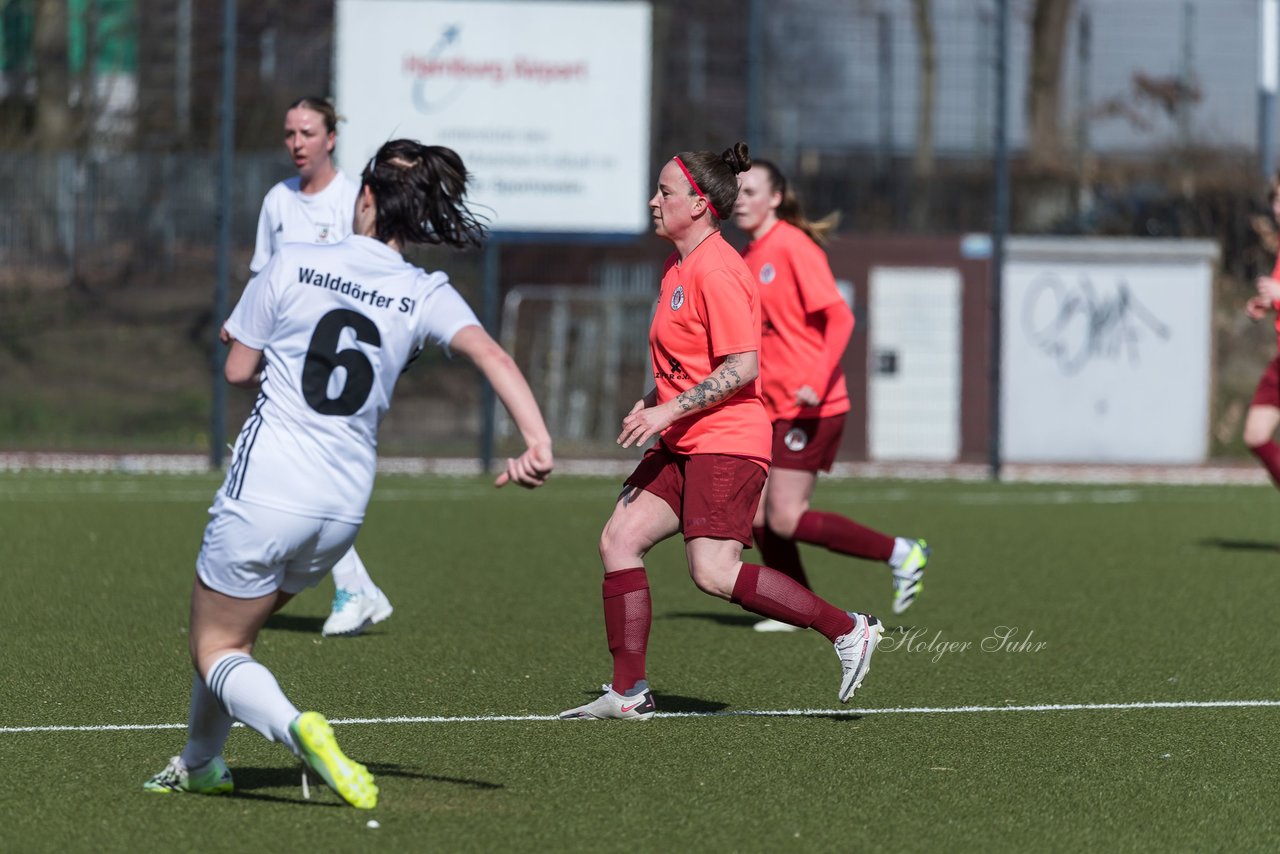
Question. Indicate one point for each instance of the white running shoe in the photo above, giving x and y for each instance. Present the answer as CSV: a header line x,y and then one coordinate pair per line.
x,y
637,707
775,626
354,612
855,650
908,579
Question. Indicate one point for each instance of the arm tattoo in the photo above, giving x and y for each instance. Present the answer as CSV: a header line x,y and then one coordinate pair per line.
x,y
714,389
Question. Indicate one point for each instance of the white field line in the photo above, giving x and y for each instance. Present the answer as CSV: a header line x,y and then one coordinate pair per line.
x,y
745,713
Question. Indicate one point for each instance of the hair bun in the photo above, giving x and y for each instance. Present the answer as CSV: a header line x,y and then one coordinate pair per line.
x,y
737,158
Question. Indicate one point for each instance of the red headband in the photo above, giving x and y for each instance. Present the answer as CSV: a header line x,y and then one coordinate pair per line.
x,y
696,188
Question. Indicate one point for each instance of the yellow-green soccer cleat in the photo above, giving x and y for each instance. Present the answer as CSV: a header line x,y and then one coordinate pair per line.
x,y
319,750
213,779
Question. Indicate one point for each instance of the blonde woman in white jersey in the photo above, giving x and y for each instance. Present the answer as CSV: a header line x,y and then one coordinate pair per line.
x,y
315,206
326,331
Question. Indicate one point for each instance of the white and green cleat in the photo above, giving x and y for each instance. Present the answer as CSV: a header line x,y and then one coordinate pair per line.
x,y
319,750
213,779
908,579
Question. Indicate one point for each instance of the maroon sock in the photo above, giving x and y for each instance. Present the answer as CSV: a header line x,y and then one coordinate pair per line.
x,y
627,615
1269,454
843,535
771,594
777,552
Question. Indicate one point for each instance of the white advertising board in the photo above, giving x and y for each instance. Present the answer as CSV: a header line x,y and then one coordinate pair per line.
x,y
546,102
1106,350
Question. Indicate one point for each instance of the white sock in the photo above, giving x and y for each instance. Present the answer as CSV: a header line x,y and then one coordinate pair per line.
x,y
349,573
250,694
207,726
901,548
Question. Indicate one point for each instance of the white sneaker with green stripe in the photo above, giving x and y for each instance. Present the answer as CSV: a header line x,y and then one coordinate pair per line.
x,y
908,577
212,779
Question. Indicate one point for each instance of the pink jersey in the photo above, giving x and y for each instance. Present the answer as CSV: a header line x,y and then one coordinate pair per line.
x,y
708,308
796,287
1275,274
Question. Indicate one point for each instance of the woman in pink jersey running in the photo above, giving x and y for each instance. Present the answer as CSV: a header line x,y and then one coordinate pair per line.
x,y
806,327
703,477
1263,416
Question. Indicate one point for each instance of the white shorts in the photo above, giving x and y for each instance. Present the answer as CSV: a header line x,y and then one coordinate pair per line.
x,y
251,551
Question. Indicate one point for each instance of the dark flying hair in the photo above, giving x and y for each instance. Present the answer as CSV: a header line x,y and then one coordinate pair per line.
x,y
420,191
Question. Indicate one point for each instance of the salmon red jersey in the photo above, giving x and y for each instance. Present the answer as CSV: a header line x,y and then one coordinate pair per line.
x,y
1275,274
795,284
708,308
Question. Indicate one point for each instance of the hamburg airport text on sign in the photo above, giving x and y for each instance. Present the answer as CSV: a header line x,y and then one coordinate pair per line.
x,y
548,103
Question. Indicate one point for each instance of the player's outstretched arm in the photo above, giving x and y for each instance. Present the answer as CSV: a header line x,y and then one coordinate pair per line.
x,y
532,467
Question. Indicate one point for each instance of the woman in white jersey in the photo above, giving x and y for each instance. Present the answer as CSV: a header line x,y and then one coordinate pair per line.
x,y
327,331
315,206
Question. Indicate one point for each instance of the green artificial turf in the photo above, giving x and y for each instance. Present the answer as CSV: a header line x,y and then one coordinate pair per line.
x,y
1121,595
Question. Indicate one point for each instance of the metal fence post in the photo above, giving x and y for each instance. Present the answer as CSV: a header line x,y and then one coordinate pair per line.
x,y
489,317
755,75
222,287
1268,71
885,100
999,228
1084,67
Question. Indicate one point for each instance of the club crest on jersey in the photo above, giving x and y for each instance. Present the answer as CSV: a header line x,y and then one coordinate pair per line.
x,y
767,274
677,298
796,439
322,234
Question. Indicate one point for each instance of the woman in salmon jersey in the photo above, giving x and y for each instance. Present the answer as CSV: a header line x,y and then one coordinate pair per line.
x,y
704,475
1263,417
806,328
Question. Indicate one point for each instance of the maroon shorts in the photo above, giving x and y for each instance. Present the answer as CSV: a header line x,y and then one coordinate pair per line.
x,y
807,444
713,495
1268,391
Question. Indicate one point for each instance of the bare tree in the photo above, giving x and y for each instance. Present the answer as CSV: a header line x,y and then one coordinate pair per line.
x,y
922,166
54,121
1049,23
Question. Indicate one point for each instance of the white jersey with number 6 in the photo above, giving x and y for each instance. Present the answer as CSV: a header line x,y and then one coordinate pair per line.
x,y
337,325
289,215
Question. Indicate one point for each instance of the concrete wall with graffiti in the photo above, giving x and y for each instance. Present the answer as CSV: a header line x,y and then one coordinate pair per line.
x,y
1106,349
